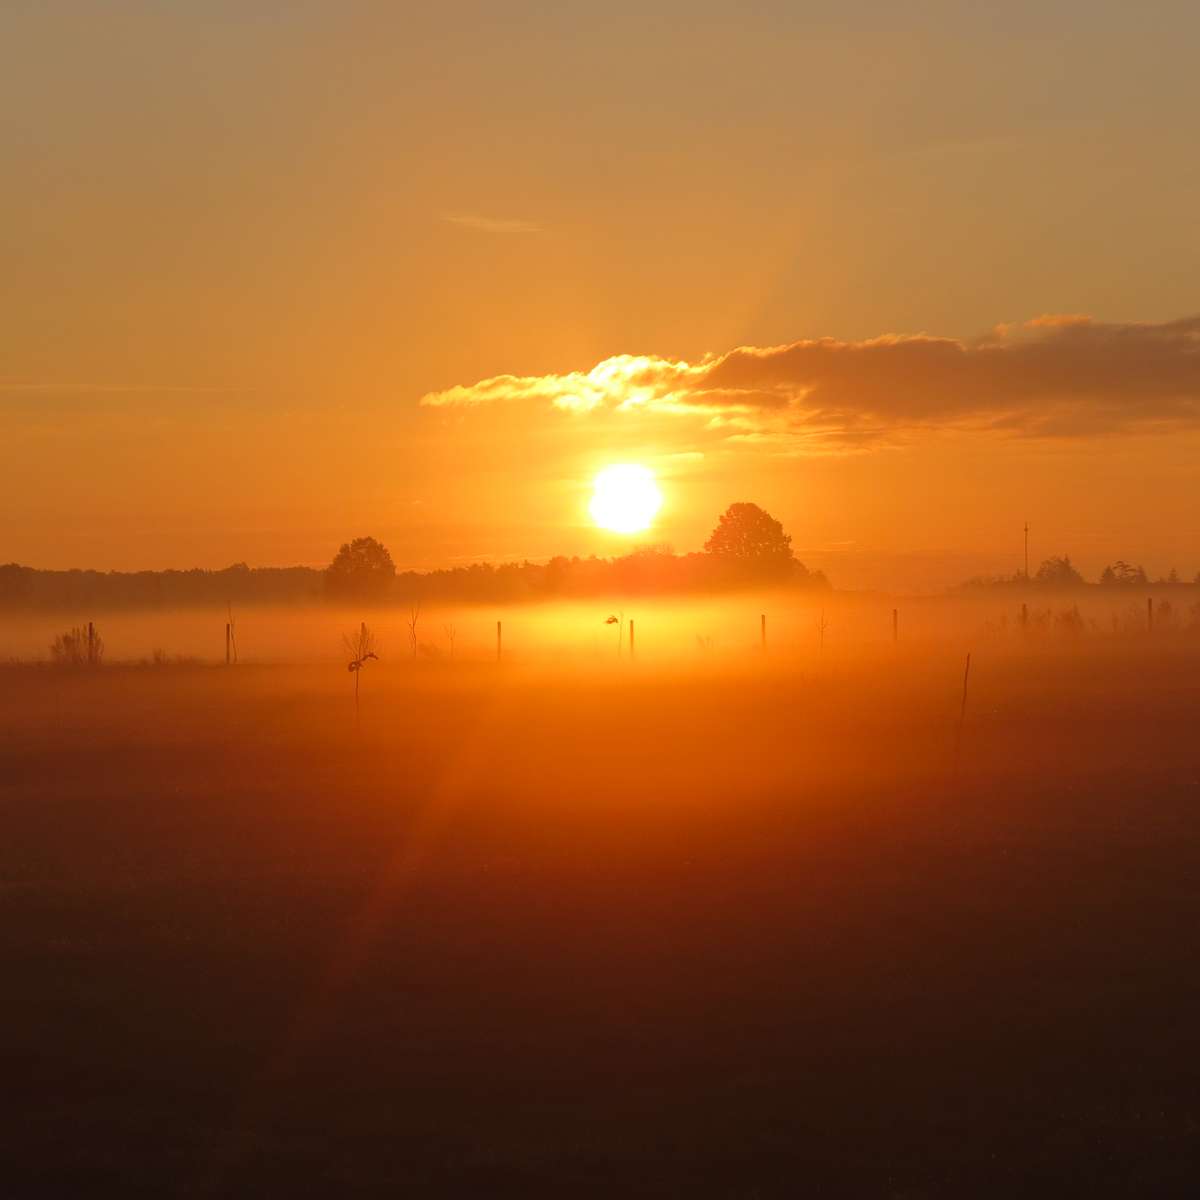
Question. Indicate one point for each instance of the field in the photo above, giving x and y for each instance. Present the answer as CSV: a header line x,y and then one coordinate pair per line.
x,y
728,924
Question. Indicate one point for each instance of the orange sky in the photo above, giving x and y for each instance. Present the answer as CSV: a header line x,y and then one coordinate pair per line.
x,y
240,247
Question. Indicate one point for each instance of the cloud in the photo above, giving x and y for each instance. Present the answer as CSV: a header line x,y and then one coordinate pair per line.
x,y
14,388
1053,376
490,224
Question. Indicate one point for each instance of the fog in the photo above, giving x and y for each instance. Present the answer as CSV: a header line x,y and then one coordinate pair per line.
x,y
700,921
802,627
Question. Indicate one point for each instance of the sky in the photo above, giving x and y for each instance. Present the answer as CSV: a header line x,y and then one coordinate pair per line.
x,y
276,275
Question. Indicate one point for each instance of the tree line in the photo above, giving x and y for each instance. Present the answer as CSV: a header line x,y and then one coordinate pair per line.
x,y
1059,572
747,547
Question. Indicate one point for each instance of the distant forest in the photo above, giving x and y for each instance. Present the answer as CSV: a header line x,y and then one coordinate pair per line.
x,y
747,548
1059,572
640,573
363,570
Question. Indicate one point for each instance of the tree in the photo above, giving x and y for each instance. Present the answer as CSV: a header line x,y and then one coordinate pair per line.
x,y
360,647
1122,573
16,584
414,615
750,538
362,570
1058,572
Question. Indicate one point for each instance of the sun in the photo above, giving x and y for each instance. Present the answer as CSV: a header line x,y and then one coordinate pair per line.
x,y
625,498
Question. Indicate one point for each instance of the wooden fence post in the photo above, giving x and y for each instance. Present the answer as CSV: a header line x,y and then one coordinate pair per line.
x,y
962,715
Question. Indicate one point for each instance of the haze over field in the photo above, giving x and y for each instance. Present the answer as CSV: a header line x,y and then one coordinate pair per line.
x,y
606,927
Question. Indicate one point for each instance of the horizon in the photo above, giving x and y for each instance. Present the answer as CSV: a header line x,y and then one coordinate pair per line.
x,y
938,574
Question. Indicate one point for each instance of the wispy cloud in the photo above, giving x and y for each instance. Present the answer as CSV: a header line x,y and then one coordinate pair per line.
x,y
481,224
23,388
1053,376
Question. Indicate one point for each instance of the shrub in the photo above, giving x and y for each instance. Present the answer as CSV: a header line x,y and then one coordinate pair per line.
x,y
75,649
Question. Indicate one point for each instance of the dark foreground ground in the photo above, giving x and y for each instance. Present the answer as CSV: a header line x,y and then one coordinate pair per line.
x,y
622,935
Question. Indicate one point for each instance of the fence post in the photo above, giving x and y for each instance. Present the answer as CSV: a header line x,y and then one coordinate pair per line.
x,y
498,642
962,714
631,637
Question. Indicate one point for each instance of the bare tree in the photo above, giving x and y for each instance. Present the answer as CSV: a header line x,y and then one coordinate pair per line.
x,y
413,616
232,635
361,648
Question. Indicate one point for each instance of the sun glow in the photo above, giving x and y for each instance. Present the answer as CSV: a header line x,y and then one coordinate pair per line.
x,y
625,498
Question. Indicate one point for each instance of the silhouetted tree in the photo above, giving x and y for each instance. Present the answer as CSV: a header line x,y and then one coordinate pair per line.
x,y
414,615
1122,573
16,585
745,531
362,574
750,539
361,569
1058,572
360,647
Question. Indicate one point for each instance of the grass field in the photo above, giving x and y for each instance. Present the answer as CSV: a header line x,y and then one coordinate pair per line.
x,y
733,928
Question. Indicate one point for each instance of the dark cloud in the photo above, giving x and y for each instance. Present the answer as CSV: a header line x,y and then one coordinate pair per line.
x,y
1050,377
